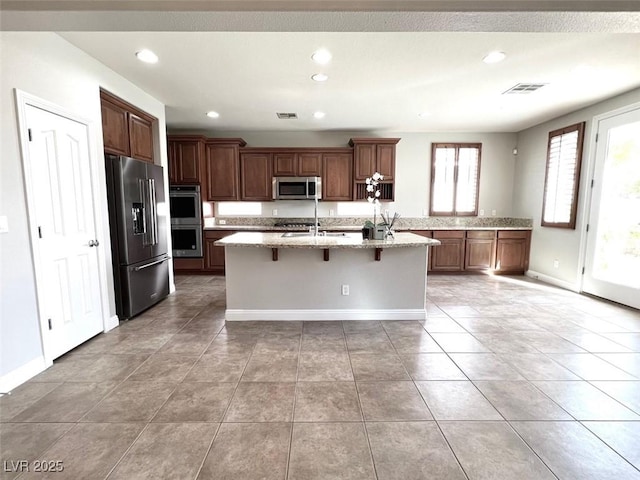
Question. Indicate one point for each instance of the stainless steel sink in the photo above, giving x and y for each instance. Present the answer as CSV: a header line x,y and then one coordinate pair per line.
x,y
297,234
309,234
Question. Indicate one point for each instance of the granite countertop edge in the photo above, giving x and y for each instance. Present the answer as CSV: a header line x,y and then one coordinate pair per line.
x,y
353,241
354,228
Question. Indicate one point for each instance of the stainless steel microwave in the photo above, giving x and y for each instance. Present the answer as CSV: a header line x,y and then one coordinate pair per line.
x,y
297,188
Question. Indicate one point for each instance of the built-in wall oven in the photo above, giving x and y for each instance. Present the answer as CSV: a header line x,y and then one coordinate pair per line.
x,y
185,207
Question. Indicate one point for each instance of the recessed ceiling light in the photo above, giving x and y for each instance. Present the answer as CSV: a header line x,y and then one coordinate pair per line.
x,y
318,115
319,77
424,114
213,114
494,57
321,56
147,56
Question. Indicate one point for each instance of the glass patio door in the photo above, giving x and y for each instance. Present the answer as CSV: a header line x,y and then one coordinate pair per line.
x,y
612,264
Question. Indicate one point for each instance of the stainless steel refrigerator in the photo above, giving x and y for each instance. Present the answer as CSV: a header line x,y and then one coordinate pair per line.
x,y
135,191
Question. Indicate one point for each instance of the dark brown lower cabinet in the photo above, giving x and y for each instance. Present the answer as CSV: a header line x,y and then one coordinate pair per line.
x,y
214,254
187,265
512,252
449,255
480,251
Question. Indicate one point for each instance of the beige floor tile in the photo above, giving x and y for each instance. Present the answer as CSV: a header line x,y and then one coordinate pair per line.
x,y
590,367
459,342
318,366
367,367
372,343
22,397
196,402
171,451
411,451
538,366
492,450
456,401
572,451
262,402
623,437
485,366
431,366
282,367
248,451
627,393
585,402
330,450
392,401
327,402
89,450
218,368
67,403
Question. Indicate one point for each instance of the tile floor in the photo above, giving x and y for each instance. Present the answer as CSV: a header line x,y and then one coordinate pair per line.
x,y
506,379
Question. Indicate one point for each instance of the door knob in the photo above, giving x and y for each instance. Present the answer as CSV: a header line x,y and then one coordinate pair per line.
x,y
94,243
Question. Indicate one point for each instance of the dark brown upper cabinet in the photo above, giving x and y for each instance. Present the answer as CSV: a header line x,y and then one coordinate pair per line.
x,y
186,159
337,176
372,155
222,168
297,164
255,177
126,130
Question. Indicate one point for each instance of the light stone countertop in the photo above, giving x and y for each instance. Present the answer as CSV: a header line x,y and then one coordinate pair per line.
x,y
351,240
345,228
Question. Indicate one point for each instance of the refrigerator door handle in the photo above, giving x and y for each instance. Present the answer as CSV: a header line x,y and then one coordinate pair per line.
x,y
143,195
147,265
154,211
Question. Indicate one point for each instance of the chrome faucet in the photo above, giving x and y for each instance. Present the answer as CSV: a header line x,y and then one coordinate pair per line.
x,y
315,214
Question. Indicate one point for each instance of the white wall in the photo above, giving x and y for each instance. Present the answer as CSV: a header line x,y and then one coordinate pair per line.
x,y
45,65
549,244
413,157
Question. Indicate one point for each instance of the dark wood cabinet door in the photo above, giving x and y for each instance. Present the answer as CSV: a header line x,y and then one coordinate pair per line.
x,y
115,129
221,172
480,250
141,138
172,157
386,160
512,251
449,255
284,164
364,157
255,176
188,162
310,164
337,182
214,254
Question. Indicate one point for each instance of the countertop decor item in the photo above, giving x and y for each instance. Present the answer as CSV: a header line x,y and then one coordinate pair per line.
x,y
376,232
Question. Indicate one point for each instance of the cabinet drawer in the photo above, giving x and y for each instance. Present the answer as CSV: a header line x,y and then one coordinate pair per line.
x,y
438,234
513,234
486,234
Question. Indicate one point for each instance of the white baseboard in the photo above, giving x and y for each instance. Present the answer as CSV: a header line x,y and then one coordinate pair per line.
x,y
21,374
325,314
111,323
553,281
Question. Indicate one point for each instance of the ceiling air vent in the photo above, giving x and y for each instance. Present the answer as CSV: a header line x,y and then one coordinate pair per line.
x,y
286,116
524,88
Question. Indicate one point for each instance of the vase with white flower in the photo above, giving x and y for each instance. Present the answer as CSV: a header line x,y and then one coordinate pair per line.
x,y
371,229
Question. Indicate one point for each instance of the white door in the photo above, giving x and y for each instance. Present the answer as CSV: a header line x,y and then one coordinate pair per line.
x,y
69,283
612,264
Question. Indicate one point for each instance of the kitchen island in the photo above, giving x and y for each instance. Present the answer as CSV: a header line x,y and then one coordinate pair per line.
x,y
270,276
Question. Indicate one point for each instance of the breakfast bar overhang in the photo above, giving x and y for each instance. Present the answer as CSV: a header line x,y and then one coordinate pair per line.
x,y
326,277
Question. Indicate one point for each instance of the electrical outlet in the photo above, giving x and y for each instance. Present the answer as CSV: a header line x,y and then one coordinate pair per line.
x,y
274,212
331,212
222,222
556,264
345,290
482,212
493,212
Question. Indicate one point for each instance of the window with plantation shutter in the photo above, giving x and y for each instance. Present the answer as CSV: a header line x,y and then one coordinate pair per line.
x,y
564,154
455,179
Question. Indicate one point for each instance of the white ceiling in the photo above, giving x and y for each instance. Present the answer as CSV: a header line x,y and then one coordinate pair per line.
x,y
377,81
391,60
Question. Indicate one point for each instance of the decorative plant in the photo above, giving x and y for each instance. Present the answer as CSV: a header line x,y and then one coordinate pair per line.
x,y
373,192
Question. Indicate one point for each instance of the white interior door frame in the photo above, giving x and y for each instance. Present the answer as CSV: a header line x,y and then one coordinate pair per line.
x,y
591,166
23,100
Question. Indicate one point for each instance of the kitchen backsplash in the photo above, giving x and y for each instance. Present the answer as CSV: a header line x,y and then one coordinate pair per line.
x,y
402,223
